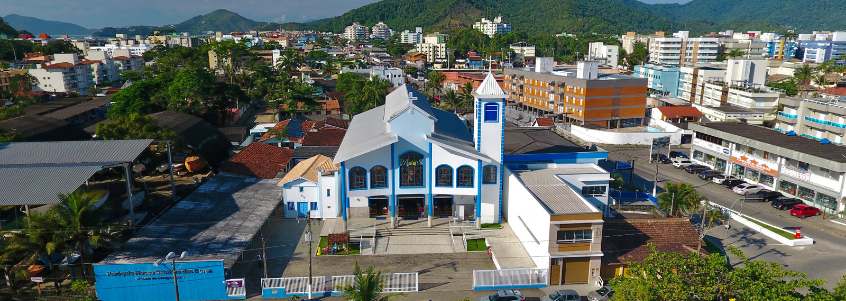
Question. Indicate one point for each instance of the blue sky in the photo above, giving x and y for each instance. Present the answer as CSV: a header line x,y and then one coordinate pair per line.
x,y
115,13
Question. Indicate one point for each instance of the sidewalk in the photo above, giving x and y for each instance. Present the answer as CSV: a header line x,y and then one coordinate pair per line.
x,y
508,250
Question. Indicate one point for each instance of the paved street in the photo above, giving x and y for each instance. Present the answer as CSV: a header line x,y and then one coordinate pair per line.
x,y
821,260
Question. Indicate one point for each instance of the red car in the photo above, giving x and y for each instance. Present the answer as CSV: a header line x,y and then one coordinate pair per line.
x,y
802,211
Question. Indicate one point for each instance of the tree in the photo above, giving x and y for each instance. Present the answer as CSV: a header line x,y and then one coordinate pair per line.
x,y
789,87
143,97
81,225
189,91
735,53
289,60
689,276
466,91
37,240
319,54
366,286
23,83
820,81
132,75
410,70
804,74
4,65
329,67
92,91
136,126
58,46
10,136
433,86
453,101
679,198
638,56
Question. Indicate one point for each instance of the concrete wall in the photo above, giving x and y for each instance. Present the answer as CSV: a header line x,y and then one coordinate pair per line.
x,y
621,138
528,219
329,202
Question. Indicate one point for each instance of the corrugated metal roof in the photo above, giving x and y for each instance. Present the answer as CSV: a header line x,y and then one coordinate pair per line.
x,y
402,98
102,152
553,192
40,185
368,131
489,87
80,108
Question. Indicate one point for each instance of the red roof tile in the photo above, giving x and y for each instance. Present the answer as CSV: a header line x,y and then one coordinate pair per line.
x,y
120,58
545,122
331,122
324,137
625,240
307,125
680,112
259,160
840,91
279,125
58,66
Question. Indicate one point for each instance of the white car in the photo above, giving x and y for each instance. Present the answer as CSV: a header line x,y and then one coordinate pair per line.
x,y
681,162
722,178
746,188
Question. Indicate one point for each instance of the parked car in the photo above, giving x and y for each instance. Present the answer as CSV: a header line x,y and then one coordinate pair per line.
x,y
662,158
768,195
784,203
708,174
696,168
604,293
803,211
505,295
731,183
678,154
721,178
681,162
562,295
746,188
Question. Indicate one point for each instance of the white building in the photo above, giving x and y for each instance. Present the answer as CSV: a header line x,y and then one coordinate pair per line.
x,y
381,31
491,28
393,75
311,188
606,54
412,37
104,68
355,32
63,74
250,40
681,49
632,37
432,48
137,49
522,52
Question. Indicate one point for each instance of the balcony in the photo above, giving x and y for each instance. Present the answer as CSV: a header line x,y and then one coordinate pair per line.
x,y
835,128
790,102
785,115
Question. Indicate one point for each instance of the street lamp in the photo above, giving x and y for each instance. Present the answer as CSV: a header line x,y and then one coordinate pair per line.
x,y
172,258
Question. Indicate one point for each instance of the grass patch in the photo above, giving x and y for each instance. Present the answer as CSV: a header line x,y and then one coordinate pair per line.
x,y
476,245
778,231
491,226
354,248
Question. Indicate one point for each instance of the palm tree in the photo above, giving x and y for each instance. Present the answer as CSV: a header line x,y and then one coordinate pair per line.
x,y
81,225
289,61
679,198
374,92
366,286
452,101
734,53
433,86
37,240
329,67
820,81
804,74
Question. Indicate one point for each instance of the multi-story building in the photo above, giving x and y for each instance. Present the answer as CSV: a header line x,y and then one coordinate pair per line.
x,y
778,47
752,50
491,28
606,54
522,52
125,61
816,118
381,31
662,80
784,161
355,32
632,37
137,49
681,49
104,67
583,95
412,37
63,74
432,47
184,39
6,76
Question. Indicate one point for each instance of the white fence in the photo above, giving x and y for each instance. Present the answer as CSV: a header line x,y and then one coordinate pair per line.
x,y
510,278
747,221
621,138
518,117
394,283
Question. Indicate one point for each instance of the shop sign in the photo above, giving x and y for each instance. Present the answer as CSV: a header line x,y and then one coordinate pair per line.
x,y
711,146
796,173
755,163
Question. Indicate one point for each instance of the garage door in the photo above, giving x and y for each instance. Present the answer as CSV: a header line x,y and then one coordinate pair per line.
x,y
576,270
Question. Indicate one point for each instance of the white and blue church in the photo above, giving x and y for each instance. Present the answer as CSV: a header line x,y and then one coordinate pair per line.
x,y
406,159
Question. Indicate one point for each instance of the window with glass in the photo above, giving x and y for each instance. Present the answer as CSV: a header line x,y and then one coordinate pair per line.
x,y
827,201
465,176
444,175
697,155
720,164
574,236
313,206
358,178
806,193
290,205
378,177
787,187
411,169
489,176
593,190
753,175
766,179
738,171
491,112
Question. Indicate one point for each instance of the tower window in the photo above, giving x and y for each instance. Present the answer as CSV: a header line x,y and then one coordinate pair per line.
x,y
491,112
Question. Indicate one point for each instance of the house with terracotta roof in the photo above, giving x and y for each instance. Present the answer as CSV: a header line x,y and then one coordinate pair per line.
x,y
259,161
545,121
677,114
625,241
324,137
63,74
309,189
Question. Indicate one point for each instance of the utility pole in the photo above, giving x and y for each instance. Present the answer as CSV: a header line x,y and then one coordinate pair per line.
x,y
309,237
655,184
672,203
175,283
263,258
702,227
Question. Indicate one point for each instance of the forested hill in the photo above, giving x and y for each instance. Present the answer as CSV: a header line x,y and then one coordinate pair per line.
x,y
801,15
218,20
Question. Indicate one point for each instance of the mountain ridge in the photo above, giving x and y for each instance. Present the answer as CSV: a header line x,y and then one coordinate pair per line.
x,y
36,26
217,20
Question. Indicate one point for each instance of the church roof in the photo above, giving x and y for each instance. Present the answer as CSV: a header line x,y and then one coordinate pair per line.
x,y
489,87
403,98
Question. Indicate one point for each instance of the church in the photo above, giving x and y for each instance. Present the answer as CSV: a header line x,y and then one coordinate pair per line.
x,y
406,159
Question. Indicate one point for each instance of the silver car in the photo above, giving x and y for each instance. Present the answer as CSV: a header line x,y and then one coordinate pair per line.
x,y
604,293
562,295
505,295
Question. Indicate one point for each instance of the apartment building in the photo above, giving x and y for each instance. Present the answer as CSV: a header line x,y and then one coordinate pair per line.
x,y
136,50
381,31
752,50
490,28
632,37
681,49
433,46
125,61
583,95
63,74
800,167
815,118
6,76
104,68
522,52
412,37
355,32
662,80
608,55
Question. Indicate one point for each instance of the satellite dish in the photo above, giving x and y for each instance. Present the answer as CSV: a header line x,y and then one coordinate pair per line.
x,y
183,255
170,256
158,262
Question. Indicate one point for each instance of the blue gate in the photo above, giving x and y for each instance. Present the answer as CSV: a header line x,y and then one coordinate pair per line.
x,y
302,209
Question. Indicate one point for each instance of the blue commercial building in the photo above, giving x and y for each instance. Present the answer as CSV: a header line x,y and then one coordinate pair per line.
x,y
781,49
663,80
